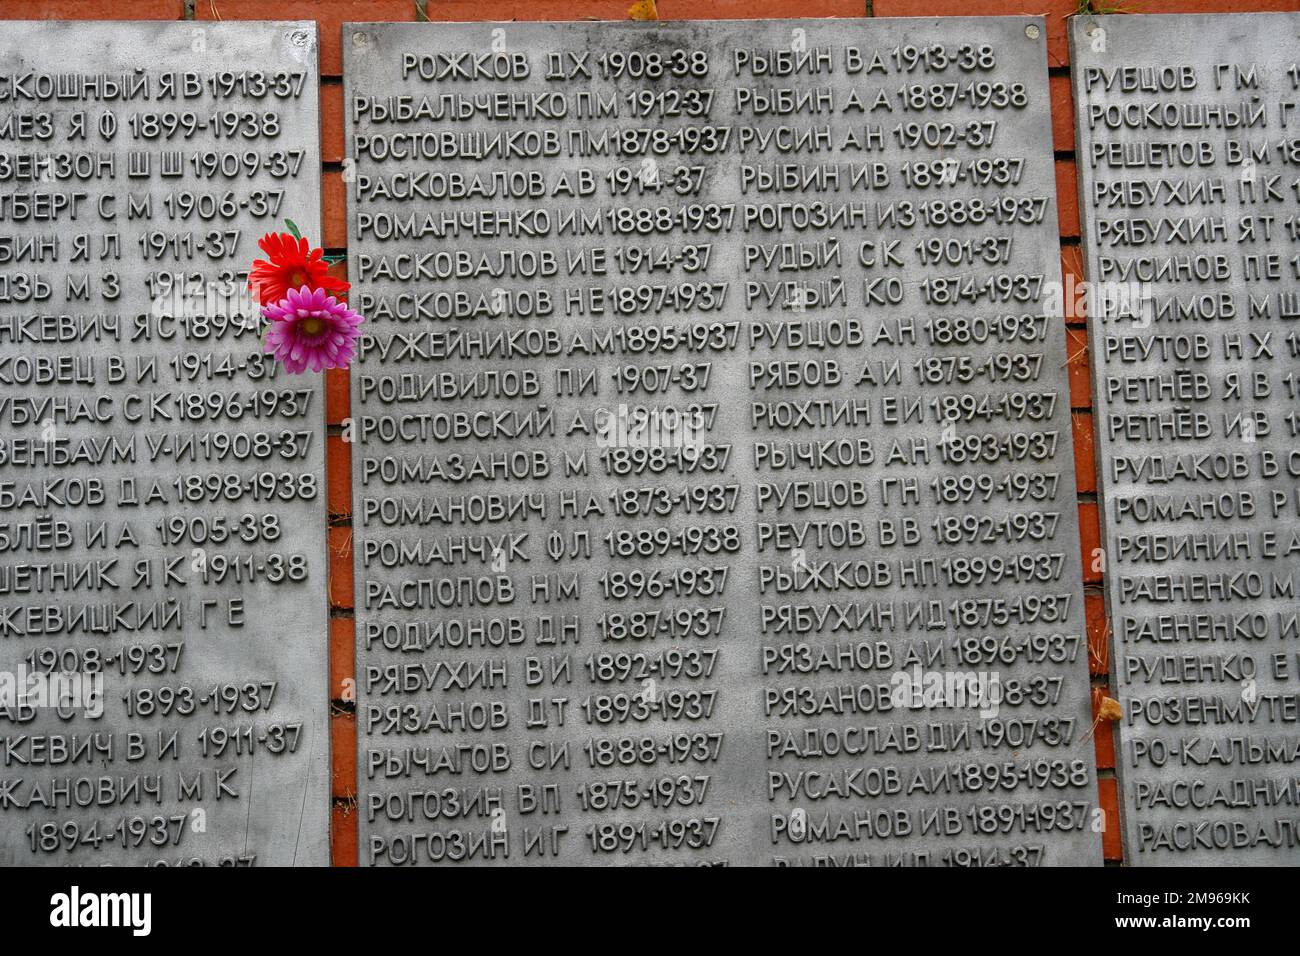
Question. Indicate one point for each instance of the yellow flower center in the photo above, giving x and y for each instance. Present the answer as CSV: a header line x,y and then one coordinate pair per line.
x,y
312,326
296,280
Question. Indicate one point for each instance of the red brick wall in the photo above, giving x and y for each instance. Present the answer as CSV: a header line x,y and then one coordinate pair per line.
x,y
329,14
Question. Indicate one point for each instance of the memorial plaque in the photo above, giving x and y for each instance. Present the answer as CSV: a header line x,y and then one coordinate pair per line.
x,y
714,487
1189,144
163,618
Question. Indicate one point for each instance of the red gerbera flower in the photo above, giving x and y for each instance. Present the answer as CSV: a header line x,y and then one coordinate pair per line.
x,y
293,264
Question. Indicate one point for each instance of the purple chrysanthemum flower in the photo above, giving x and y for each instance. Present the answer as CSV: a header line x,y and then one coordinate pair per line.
x,y
311,329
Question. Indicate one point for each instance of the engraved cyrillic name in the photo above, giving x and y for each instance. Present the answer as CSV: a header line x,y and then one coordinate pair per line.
x,y
163,692
1188,153
714,488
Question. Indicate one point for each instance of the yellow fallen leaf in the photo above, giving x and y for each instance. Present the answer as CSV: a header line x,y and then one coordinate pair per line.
x,y
1110,709
643,10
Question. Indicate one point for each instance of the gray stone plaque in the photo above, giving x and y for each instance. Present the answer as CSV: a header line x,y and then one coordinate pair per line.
x,y
713,473
1189,142
163,619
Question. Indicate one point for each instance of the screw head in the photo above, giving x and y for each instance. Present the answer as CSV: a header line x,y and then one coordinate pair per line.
x,y
1032,31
